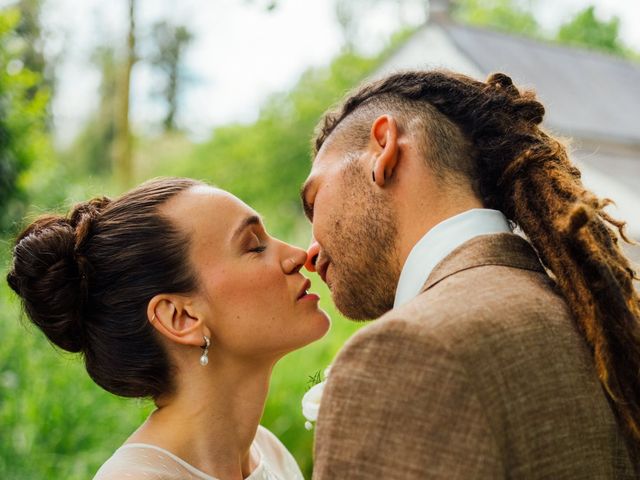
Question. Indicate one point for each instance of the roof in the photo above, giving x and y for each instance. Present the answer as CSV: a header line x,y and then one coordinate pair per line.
x,y
591,97
587,94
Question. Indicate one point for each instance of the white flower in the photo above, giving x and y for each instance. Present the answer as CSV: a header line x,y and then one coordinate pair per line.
x,y
311,401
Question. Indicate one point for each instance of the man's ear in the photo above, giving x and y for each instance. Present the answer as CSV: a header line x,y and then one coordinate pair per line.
x,y
384,142
176,319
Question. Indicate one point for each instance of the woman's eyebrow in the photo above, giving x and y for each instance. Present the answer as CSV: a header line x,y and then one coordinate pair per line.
x,y
247,222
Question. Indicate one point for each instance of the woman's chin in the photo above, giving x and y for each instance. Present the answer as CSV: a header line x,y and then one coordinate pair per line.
x,y
321,324
316,327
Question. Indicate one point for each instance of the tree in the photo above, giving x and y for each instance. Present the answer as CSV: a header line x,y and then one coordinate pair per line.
x,y
505,15
586,30
351,13
31,33
265,162
170,43
123,162
93,149
347,21
22,121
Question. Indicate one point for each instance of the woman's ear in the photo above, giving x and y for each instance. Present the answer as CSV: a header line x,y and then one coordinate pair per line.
x,y
176,319
384,142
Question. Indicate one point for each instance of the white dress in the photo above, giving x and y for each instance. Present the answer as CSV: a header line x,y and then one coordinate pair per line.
x,y
148,462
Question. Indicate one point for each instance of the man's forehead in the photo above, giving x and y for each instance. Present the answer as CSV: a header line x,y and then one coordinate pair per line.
x,y
325,148
331,153
323,164
325,160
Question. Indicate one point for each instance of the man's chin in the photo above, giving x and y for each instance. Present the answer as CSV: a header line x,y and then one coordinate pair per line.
x,y
358,311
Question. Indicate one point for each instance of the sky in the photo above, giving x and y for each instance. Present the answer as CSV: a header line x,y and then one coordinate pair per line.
x,y
241,52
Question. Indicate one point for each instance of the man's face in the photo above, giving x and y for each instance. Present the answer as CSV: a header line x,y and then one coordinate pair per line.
x,y
355,231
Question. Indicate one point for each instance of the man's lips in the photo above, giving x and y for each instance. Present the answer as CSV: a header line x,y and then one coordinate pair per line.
x,y
321,268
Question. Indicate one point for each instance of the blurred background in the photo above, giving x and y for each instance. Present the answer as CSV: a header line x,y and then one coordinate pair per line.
x,y
98,96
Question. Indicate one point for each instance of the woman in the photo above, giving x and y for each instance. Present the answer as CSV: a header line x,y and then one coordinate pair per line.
x,y
174,291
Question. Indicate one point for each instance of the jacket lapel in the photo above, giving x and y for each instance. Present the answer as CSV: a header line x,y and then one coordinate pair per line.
x,y
506,249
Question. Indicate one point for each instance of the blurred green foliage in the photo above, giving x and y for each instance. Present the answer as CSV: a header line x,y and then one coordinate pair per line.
x,y
584,29
265,162
22,121
587,30
55,422
505,15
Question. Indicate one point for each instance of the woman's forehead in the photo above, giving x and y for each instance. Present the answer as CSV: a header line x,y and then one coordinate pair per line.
x,y
207,211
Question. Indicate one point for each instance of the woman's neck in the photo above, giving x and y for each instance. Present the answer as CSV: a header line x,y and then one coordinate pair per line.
x,y
212,418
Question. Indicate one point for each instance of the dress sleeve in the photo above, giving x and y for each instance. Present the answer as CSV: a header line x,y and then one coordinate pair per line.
x,y
398,405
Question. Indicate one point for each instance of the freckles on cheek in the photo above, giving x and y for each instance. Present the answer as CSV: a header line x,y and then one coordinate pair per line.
x,y
241,288
220,285
249,291
232,286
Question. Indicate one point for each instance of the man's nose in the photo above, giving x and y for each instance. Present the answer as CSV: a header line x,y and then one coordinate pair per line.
x,y
312,256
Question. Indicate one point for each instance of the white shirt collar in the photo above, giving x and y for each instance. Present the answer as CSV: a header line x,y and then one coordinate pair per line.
x,y
439,242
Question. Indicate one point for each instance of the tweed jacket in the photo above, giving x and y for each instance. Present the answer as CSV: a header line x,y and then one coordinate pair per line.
x,y
484,375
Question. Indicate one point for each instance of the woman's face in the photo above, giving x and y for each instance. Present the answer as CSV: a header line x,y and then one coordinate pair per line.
x,y
252,296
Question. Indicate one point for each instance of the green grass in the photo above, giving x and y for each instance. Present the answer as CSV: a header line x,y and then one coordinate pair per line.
x,y
56,423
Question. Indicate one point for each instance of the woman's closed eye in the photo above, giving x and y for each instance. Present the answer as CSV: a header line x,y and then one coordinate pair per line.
x,y
258,249
256,245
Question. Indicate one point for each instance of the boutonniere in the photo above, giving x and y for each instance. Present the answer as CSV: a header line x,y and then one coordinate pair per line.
x,y
311,400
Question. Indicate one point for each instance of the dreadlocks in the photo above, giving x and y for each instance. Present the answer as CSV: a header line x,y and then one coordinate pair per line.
x,y
519,169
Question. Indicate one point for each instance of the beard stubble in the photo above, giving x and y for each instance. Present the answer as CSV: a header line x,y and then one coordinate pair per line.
x,y
365,269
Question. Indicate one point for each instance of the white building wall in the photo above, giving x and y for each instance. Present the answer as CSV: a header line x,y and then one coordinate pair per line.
x,y
627,200
429,48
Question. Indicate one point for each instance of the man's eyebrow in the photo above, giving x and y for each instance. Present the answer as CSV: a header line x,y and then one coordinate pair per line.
x,y
247,222
308,211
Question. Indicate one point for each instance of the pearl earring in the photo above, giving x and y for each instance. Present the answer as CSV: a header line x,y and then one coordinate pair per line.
x,y
204,359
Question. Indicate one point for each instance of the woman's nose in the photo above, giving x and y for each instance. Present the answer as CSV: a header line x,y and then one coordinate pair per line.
x,y
312,256
294,261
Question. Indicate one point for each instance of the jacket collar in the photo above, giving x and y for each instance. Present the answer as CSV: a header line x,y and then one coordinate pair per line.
x,y
440,241
505,249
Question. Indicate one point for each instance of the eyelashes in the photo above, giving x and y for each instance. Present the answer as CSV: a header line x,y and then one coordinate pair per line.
x,y
256,240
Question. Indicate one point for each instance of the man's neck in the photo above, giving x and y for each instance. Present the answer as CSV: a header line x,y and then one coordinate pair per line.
x,y
419,221
439,242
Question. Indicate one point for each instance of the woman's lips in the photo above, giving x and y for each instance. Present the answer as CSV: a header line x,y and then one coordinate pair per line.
x,y
309,296
304,295
303,291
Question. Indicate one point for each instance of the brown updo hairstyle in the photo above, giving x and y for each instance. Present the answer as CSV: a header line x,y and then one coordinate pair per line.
x,y
489,134
86,279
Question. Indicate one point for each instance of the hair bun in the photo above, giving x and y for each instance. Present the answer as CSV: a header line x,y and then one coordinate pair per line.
x,y
83,215
51,273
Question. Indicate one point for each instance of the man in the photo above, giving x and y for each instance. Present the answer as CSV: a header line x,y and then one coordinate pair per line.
x,y
482,365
